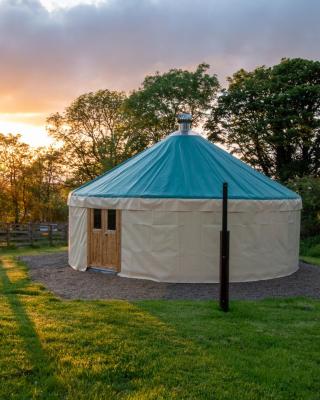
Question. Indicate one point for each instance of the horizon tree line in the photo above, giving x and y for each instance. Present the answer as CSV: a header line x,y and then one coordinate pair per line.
x,y
268,117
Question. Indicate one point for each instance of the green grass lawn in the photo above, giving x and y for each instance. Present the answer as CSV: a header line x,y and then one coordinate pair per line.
x,y
310,250
57,349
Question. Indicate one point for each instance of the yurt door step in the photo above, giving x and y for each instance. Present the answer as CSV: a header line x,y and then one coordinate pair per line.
x,y
104,238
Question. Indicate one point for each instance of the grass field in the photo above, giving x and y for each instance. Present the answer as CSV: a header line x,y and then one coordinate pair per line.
x,y
56,349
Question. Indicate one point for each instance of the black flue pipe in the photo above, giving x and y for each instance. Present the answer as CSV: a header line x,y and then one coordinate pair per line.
x,y
224,252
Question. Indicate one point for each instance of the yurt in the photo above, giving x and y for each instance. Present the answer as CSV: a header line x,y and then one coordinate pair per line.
x,y
158,216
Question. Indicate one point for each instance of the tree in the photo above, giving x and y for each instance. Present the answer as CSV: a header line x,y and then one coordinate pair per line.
x,y
46,185
14,158
153,108
99,130
270,117
31,182
91,131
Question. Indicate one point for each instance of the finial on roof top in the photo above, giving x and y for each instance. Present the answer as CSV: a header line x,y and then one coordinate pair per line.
x,y
185,121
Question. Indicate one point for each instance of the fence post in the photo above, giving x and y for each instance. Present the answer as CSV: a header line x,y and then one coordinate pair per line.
x,y
65,229
50,234
31,233
8,234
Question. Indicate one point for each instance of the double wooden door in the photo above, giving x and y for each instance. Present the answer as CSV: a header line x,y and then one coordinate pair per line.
x,y
104,228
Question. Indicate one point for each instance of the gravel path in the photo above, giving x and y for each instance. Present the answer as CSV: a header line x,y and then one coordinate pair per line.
x,y
52,270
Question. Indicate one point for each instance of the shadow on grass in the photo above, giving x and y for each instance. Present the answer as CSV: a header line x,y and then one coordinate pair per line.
x,y
42,368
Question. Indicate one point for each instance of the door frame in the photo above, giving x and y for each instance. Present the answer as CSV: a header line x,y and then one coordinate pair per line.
x,y
104,232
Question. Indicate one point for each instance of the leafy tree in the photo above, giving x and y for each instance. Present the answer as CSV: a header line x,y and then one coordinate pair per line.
x,y
153,108
99,130
14,157
31,182
270,117
46,185
91,131
309,189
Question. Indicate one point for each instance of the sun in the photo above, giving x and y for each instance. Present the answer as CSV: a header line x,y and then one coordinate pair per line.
x,y
31,126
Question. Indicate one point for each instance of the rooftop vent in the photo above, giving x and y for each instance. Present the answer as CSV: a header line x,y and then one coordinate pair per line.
x,y
185,121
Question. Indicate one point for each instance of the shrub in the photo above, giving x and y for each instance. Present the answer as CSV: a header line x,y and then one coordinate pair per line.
x,y
309,189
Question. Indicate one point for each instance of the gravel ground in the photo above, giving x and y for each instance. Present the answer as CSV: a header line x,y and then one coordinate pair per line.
x,y
52,270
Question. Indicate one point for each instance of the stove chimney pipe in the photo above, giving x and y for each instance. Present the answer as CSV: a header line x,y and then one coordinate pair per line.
x,y
185,121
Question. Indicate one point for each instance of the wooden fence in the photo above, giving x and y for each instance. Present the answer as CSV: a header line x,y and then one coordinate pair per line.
x,y
33,234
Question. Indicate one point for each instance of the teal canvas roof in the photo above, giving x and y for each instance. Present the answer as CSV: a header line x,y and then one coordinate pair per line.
x,y
186,167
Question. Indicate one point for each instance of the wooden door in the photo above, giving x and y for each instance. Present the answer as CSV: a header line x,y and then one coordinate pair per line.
x,y
104,238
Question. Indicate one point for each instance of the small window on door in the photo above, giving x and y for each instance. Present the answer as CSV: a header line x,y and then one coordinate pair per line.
x,y
97,219
112,220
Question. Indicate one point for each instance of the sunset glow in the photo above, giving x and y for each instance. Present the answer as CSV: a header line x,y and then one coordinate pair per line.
x,y
31,126
52,51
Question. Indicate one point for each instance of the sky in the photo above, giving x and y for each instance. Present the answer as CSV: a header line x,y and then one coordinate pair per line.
x,y
51,51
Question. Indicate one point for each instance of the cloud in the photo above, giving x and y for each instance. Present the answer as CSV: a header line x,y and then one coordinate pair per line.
x,y
49,58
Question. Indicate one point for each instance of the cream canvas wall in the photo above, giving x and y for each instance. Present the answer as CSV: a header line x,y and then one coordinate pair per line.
x,y
183,246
